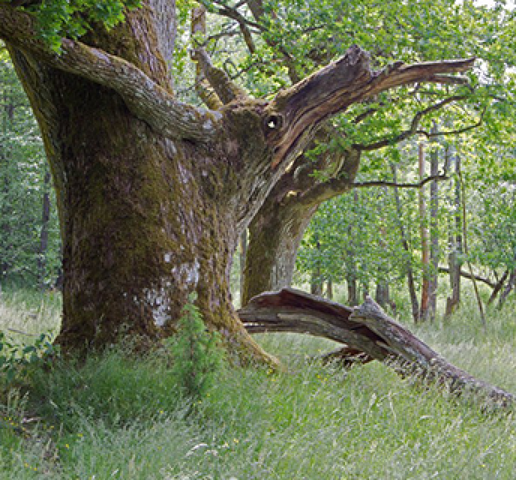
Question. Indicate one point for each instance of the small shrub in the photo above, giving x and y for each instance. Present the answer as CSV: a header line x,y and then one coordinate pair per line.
x,y
17,362
198,359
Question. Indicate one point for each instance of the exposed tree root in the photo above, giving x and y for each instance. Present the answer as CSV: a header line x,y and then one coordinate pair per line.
x,y
368,333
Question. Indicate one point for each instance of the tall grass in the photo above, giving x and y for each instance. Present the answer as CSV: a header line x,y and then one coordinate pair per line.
x,y
122,417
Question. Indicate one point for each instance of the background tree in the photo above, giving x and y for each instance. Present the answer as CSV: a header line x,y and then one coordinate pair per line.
x,y
29,238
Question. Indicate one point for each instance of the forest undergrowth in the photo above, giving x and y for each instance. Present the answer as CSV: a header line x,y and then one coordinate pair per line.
x,y
123,416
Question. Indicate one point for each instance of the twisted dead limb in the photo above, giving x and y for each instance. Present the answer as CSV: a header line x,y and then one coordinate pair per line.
x,y
368,333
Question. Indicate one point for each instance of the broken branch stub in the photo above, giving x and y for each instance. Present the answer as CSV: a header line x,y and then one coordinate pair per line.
x,y
367,332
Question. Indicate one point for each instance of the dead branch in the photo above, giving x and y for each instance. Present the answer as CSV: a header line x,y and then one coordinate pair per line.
x,y
382,183
467,275
364,330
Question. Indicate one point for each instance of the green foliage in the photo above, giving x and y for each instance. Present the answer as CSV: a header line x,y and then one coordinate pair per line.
x,y
18,362
198,358
121,413
73,18
23,185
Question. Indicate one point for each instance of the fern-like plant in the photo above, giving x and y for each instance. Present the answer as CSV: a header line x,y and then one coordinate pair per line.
x,y
198,358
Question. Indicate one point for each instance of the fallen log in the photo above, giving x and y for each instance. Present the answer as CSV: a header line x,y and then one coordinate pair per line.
x,y
367,332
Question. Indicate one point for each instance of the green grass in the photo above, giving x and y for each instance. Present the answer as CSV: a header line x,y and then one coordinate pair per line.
x,y
121,417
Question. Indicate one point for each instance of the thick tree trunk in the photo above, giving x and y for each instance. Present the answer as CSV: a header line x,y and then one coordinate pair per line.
x,y
368,333
145,221
153,193
274,237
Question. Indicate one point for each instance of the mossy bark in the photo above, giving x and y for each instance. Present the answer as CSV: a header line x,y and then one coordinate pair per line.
x,y
145,220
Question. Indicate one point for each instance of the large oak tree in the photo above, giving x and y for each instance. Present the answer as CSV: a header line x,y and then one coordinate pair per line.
x,y
153,193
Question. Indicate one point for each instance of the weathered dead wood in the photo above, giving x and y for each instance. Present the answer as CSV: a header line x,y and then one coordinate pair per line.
x,y
368,333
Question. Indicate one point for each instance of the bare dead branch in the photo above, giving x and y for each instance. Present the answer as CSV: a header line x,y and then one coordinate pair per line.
x,y
332,89
216,78
412,130
382,183
465,274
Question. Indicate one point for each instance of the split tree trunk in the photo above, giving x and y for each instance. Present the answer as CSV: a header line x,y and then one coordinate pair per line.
x,y
368,334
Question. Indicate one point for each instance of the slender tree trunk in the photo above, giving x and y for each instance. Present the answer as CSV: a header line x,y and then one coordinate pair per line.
x,y
507,289
414,303
43,239
350,261
316,281
382,295
455,240
425,249
329,289
434,231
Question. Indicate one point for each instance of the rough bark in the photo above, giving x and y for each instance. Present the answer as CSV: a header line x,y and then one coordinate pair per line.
x,y
368,334
153,194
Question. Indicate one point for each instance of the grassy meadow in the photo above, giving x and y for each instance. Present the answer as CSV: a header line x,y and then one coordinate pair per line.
x,y
122,417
